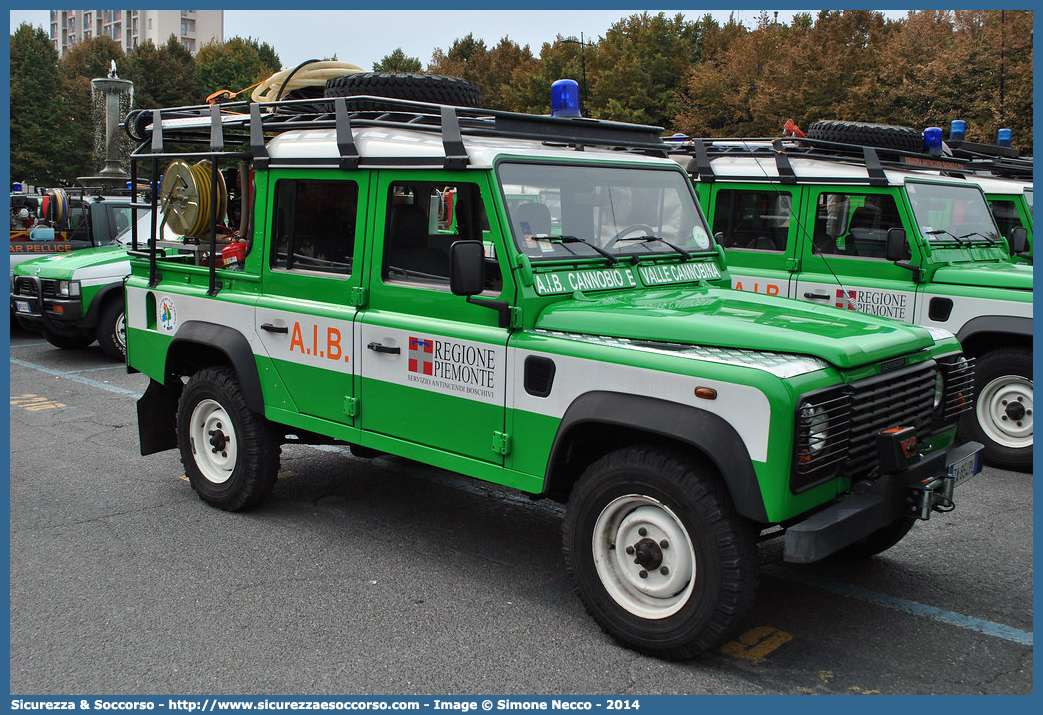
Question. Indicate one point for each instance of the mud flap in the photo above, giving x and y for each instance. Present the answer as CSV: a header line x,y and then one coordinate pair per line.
x,y
157,416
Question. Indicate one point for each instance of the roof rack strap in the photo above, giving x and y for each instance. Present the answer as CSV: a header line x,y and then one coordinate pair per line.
x,y
455,153
349,154
217,135
702,161
257,147
873,167
157,132
782,163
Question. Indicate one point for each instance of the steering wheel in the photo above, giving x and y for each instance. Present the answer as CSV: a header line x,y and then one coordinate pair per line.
x,y
641,228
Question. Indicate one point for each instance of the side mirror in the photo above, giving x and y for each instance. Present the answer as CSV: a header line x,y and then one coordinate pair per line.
x,y
1019,239
466,268
897,247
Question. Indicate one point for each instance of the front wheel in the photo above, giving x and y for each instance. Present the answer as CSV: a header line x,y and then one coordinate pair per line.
x,y
230,454
1002,415
112,331
657,553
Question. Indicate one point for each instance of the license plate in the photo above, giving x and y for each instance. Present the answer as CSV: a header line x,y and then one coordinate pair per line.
x,y
22,306
965,468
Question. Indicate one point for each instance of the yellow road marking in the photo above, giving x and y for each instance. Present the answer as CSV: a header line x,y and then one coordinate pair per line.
x,y
35,403
755,645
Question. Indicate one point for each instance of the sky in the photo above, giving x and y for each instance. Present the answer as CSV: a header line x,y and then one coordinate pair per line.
x,y
364,37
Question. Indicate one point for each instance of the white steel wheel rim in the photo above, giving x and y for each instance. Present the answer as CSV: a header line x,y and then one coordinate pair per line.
x,y
1004,411
120,333
213,441
636,528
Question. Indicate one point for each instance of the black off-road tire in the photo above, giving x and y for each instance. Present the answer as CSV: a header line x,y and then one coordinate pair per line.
x,y
1003,387
112,330
710,552
230,454
434,88
880,540
68,342
885,136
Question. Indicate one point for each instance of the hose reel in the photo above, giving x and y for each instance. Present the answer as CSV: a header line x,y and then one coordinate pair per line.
x,y
185,198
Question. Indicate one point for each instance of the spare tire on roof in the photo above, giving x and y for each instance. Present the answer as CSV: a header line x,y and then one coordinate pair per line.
x,y
434,88
885,136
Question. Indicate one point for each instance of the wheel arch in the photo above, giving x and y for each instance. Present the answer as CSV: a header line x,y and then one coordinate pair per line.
x,y
101,299
599,422
198,344
980,334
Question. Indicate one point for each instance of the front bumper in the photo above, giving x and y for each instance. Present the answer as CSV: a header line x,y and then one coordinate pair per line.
x,y
36,309
924,486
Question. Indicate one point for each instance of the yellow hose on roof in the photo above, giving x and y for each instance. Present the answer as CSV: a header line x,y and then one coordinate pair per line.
x,y
314,74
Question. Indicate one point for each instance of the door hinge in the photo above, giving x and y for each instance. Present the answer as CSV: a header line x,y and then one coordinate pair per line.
x,y
351,406
357,296
516,317
792,264
501,443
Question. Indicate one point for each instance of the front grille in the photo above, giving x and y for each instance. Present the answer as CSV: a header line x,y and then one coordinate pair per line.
x,y
28,287
900,399
25,286
836,429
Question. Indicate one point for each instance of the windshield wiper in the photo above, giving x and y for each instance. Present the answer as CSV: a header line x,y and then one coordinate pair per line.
x,y
649,239
958,239
992,241
576,239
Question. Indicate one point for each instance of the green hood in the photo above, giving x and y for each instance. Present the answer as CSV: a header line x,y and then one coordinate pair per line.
x,y
1016,276
62,265
722,317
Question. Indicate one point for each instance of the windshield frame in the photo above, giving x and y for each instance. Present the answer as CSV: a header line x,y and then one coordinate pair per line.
x,y
946,237
623,250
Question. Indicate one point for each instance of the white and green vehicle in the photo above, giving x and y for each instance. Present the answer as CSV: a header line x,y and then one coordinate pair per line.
x,y
76,298
585,346
887,233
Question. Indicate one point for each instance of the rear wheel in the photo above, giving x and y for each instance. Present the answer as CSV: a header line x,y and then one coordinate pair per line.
x,y
657,554
1002,415
230,454
112,330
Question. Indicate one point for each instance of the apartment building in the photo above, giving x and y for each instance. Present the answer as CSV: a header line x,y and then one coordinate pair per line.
x,y
192,28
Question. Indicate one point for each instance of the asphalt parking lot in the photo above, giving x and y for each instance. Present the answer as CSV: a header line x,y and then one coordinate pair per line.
x,y
386,577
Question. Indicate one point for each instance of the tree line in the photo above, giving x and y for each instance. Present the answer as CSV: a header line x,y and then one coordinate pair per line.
x,y
699,77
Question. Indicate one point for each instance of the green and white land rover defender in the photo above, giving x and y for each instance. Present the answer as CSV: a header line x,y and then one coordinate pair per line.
x,y
887,232
536,302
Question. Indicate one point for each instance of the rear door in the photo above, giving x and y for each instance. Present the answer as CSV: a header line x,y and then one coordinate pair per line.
x,y
311,281
759,233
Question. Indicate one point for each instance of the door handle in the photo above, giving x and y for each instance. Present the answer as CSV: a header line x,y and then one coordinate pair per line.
x,y
274,328
377,347
817,295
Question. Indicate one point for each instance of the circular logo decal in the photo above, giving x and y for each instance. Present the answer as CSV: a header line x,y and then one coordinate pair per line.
x,y
167,318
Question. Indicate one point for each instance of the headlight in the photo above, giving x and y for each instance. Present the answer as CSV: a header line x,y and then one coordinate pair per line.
x,y
939,390
816,425
68,289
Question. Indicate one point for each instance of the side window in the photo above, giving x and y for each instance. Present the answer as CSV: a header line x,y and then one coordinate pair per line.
x,y
854,224
423,220
1006,215
314,225
757,220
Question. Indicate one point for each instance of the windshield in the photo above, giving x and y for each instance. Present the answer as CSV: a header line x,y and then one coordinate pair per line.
x,y
1028,198
561,211
952,214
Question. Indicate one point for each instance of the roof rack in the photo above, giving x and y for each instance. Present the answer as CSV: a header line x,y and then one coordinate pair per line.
x,y
1001,161
874,159
241,129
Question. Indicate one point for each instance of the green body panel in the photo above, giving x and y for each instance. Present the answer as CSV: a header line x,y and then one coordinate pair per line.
x,y
727,318
1007,276
64,266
